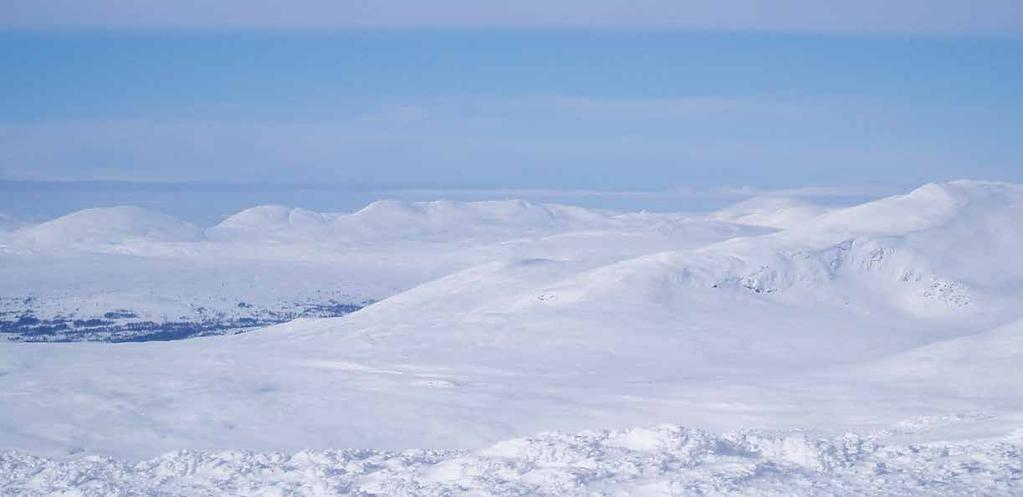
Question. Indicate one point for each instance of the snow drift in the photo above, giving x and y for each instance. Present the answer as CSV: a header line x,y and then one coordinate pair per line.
x,y
664,460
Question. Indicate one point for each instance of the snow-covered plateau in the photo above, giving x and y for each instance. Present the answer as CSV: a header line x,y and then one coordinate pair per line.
x,y
506,348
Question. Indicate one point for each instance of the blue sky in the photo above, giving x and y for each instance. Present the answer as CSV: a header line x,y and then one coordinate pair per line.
x,y
571,97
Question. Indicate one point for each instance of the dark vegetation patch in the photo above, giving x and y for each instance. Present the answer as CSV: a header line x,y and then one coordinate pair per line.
x,y
122,325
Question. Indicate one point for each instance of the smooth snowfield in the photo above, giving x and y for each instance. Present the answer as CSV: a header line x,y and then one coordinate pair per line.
x,y
899,319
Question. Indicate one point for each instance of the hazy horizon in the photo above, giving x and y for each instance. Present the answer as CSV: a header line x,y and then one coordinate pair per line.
x,y
206,203
559,109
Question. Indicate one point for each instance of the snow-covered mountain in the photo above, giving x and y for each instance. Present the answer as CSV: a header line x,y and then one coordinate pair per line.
x,y
109,225
409,221
124,274
824,292
887,318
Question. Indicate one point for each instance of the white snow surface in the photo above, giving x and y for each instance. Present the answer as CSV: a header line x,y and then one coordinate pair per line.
x,y
658,461
773,212
109,225
398,220
274,261
899,320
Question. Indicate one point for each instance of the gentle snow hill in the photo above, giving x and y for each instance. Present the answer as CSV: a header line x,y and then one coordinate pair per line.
x,y
412,221
930,206
773,212
445,215
110,225
271,221
271,264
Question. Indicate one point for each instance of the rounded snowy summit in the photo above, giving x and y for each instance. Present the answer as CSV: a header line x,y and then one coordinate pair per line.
x,y
106,225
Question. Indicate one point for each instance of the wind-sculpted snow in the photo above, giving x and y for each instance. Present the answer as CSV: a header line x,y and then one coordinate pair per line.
x,y
665,460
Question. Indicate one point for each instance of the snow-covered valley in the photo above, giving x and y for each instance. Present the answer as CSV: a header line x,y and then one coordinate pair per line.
x,y
862,350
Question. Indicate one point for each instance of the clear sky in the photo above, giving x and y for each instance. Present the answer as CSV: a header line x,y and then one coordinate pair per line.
x,y
555,95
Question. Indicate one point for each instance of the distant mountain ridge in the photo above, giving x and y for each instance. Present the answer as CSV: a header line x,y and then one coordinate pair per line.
x,y
109,225
135,274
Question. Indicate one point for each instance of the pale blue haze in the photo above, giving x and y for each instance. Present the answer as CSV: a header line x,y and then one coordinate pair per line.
x,y
533,105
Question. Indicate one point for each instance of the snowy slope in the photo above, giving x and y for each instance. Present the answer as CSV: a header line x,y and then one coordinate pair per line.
x,y
129,274
109,225
826,326
965,363
872,294
774,212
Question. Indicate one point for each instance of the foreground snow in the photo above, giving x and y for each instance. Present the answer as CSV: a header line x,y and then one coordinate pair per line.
x,y
661,461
